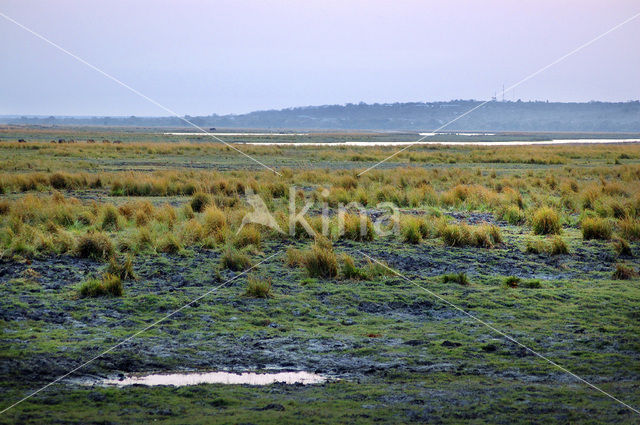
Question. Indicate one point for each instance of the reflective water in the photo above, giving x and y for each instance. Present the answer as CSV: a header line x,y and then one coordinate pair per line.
x,y
469,143
195,378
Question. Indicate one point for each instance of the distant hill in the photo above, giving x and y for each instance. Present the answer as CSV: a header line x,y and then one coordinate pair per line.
x,y
498,116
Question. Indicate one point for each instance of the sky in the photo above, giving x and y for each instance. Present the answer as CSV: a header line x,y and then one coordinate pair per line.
x,y
205,57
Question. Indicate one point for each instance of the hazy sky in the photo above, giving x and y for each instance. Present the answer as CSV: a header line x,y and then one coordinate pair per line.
x,y
200,57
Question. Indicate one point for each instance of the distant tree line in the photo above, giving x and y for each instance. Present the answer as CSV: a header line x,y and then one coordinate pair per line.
x,y
494,116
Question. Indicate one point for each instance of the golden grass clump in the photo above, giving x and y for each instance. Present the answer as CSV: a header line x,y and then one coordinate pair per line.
x,y
169,244
214,220
200,201
414,229
94,245
320,260
629,229
108,285
109,218
546,221
294,257
596,228
248,235
358,228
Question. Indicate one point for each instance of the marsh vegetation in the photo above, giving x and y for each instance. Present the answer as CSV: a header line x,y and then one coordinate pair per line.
x,y
97,240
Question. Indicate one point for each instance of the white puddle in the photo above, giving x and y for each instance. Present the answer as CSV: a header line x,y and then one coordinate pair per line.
x,y
195,378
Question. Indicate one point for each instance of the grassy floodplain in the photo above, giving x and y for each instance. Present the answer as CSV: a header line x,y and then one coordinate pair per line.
x,y
100,239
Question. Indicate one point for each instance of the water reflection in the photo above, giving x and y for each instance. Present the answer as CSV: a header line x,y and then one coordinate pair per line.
x,y
195,378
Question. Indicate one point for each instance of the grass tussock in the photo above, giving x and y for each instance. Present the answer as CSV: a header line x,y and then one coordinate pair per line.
x,y
108,285
200,201
122,269
349,270
258,288
515,282
624,272
235,260
249,235
169,244
358,228
622,248
553,246
596,228
459,278
545,221
94,245
461,235
414,229
629,229
320,260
